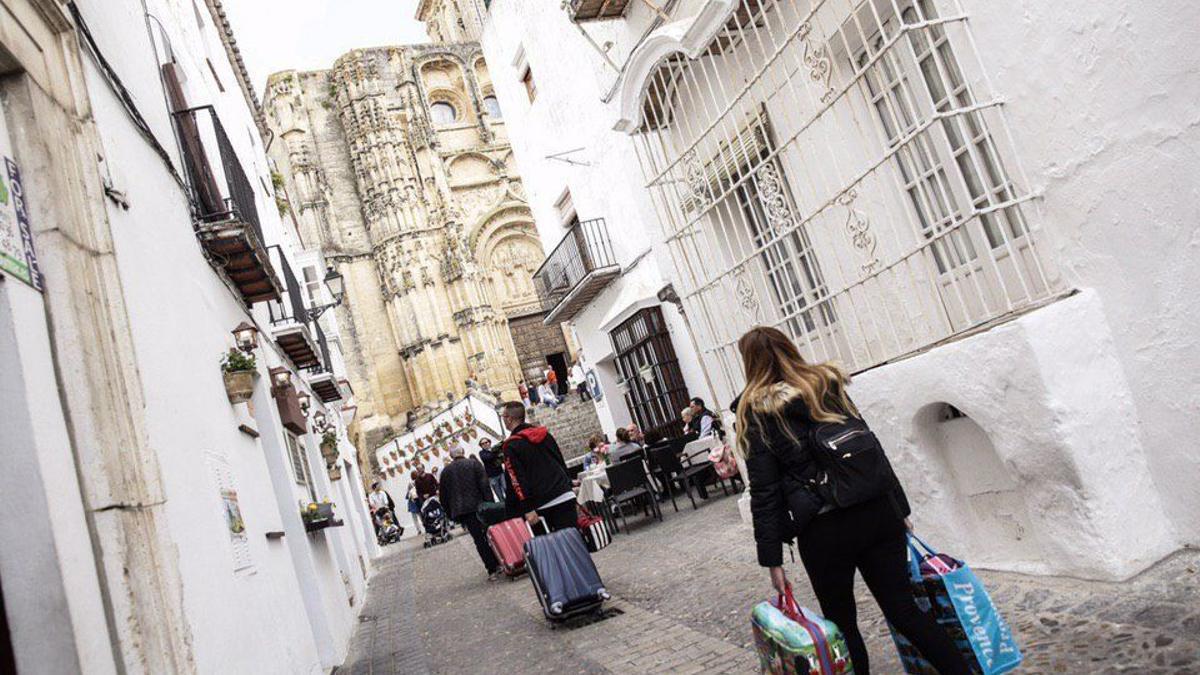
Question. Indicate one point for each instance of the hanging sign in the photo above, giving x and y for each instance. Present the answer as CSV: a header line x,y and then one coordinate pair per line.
x,y
17,256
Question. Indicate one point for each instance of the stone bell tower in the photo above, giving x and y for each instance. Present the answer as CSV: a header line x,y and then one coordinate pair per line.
x,y
397,166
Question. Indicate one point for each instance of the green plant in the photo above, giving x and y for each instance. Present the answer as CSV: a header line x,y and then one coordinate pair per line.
x,y
237,361
329,438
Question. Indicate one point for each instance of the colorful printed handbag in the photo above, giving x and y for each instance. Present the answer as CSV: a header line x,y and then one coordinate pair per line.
x,y
723,461
793,640
949,589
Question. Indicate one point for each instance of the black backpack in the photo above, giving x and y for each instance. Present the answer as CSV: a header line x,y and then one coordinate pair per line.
x,y
852,466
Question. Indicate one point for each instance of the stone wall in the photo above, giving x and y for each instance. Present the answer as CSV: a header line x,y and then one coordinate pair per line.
x,y
533,342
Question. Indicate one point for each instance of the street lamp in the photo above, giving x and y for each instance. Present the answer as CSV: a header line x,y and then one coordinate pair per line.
x,y
337,289
305,401
246,337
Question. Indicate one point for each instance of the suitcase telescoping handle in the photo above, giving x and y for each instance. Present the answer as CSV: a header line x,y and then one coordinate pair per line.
x,y
541,521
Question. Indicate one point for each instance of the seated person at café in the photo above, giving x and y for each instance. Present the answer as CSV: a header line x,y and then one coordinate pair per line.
x,y
597,452
702,420
624,446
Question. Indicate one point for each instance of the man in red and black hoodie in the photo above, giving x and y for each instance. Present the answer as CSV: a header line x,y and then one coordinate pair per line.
x,y
539,485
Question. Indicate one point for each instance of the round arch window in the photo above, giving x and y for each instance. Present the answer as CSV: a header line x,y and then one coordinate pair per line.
x,y
492,107
442,112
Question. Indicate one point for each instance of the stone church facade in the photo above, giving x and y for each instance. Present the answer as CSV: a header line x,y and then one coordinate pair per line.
x,y
396,165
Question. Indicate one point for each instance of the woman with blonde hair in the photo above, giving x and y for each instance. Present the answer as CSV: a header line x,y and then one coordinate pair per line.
x,y
779,413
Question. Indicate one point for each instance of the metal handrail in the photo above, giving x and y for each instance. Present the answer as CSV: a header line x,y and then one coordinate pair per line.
x,y
585,248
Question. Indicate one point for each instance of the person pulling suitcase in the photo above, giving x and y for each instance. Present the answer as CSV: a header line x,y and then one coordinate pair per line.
x,y
539,487
562,572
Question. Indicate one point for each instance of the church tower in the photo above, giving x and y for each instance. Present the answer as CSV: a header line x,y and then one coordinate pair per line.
x,y
397,166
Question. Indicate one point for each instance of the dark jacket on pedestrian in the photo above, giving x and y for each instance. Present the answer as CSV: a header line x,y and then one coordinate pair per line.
x,y
464,487
536,470
427,486
493,461
780,465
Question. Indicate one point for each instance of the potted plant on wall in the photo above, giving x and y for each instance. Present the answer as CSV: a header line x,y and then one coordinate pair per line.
x,y
329,444
240,371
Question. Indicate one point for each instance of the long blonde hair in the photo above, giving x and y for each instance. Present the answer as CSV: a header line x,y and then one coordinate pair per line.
x,y
770,358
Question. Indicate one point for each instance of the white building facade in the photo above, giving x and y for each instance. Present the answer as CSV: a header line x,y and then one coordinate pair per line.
x,y
157,508
606,268
981,212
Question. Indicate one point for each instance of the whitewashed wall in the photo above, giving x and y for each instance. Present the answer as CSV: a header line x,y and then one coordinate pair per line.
x,y
572,79
1091,400
293,608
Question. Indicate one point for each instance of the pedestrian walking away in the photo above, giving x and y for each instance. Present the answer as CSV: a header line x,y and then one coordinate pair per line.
x,y
493,464
785,402
538,482
463,488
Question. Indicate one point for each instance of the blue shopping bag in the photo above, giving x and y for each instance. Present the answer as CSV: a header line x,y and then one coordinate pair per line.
x,y
948,588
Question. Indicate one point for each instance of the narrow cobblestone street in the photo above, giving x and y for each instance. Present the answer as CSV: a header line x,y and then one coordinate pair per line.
x,y
684,588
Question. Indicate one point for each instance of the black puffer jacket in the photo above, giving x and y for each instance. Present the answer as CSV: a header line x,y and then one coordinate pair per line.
x,y
780,468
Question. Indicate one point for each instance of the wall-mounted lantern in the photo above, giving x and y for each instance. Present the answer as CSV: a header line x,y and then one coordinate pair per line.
x,y
280,376
320,422
246,337
305,402
337,290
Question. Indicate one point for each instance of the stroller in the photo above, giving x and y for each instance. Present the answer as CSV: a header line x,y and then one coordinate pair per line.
x,y
433,519
386,529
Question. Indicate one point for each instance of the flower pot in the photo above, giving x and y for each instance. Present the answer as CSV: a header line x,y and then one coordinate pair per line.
x,y
335,472
239,385
329,452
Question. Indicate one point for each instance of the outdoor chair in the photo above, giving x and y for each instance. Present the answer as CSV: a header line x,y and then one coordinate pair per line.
x,y
629,483
665,463
573,471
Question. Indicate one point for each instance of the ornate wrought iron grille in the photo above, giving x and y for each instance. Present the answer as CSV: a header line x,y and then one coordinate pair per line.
x,y
841,170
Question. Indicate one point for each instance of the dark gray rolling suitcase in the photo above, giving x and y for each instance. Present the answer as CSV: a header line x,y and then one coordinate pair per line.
x,y
563,574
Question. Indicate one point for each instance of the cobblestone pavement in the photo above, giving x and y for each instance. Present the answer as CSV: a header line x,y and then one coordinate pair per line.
x,y
685,587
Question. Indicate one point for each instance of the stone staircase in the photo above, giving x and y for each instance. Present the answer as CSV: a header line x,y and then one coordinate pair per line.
x,y
572,424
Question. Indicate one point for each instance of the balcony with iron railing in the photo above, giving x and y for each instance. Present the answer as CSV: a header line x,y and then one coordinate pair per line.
x,y
223,205
320,376
290,320
575,272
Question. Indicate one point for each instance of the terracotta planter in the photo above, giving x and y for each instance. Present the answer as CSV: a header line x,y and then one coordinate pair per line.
x,y
329,451
239,385
335,472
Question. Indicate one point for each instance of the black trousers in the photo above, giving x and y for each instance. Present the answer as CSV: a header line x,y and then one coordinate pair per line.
x,y
478,532
870,538
559,517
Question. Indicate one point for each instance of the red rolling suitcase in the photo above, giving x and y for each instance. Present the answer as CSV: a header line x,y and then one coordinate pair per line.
x,y
507,540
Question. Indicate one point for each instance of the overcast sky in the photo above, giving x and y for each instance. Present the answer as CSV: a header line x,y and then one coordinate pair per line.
x,y
279,35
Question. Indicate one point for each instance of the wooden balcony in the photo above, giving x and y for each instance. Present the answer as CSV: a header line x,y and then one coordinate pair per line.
x,y
593,10
575,272
223,206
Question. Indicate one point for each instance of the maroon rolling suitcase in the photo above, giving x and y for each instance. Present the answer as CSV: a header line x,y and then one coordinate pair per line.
x,y
507,540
